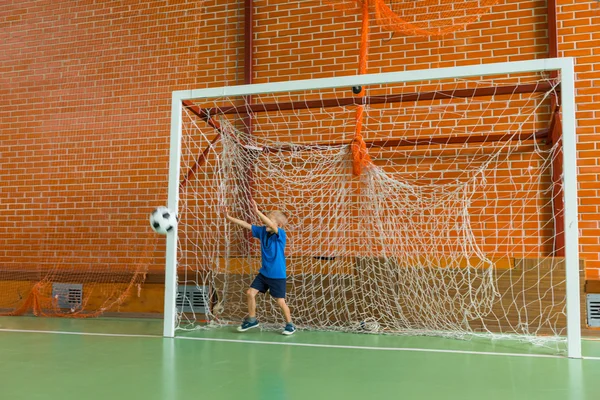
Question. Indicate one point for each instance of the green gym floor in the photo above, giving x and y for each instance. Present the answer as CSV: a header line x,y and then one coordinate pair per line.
x,y
47,358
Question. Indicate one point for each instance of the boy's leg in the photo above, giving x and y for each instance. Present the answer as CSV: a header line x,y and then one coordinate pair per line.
x,y
257,286
251,296
277,287
289,329
285,310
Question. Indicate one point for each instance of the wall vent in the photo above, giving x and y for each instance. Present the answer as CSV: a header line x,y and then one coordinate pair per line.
x,y
68,295
593,310
192,299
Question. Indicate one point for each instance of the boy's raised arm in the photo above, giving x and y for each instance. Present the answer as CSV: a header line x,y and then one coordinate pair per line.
x,y
264,218
239,222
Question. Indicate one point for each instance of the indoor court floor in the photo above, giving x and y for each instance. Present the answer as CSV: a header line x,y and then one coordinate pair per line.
x,y
51,358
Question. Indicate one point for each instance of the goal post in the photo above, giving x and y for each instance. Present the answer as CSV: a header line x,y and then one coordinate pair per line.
x,y
450,251
571,234
173,201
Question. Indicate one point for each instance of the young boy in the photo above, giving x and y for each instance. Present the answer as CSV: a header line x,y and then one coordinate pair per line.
x,y
272,274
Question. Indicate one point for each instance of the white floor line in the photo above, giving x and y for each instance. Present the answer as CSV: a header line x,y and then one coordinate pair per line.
x,y
80,333
333,346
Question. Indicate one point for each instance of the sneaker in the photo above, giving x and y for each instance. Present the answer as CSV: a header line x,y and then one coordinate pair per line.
x,y
246,325
289,329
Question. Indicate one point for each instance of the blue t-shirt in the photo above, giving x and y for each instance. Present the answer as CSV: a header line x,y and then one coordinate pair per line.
x,y
272,246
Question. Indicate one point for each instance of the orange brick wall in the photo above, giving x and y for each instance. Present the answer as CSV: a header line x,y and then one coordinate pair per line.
x,y
85,120
85,89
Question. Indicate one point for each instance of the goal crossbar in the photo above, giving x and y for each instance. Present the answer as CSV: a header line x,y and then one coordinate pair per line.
x,y
542,87
515,67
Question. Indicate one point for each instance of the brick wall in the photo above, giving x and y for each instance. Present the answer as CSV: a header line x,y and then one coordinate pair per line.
x,y
85,89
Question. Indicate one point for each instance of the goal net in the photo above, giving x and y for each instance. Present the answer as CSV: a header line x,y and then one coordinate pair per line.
x,y
454,226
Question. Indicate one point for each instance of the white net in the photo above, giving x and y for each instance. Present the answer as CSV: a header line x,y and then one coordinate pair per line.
x,y
451,230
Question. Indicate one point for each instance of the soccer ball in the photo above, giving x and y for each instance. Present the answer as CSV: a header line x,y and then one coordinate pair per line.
x,y
371,326
163,220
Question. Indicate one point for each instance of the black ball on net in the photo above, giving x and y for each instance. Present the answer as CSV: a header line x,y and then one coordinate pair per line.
x,y
356,89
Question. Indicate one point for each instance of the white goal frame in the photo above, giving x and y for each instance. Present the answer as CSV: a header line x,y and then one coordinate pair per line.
x,y
565,66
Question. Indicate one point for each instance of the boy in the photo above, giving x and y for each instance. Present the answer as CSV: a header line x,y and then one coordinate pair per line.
x,y
272,274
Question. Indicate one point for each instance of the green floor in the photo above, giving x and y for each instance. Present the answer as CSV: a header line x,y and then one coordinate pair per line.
x,y
263,365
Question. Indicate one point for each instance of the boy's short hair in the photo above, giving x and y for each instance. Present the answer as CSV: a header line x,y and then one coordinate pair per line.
x,y
281,216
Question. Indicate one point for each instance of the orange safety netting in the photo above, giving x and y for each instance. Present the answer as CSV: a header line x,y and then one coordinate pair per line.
x,y
423,17
409,17
40,300
360,155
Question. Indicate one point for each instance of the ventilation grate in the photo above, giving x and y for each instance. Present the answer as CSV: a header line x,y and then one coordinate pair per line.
x,y
192,299
68,295
593,310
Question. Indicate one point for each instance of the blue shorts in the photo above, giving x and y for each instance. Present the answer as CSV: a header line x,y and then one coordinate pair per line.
x,y
275,286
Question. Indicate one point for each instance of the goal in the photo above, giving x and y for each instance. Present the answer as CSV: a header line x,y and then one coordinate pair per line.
x,y
446,206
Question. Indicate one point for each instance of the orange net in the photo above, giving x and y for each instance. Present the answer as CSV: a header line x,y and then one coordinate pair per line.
x,y
409,17
105,291
360,155
424,17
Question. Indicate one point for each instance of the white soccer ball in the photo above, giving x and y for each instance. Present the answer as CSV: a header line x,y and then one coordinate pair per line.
x,y
163,220
371,326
